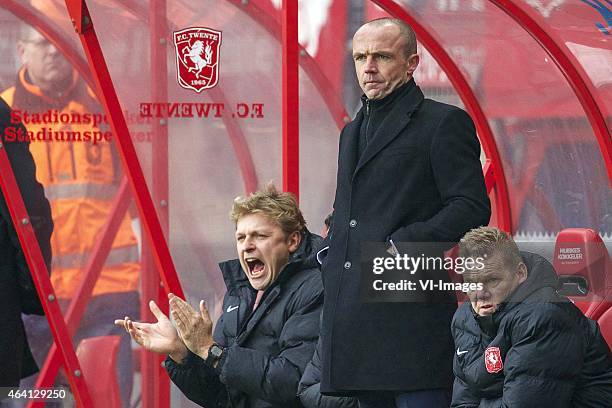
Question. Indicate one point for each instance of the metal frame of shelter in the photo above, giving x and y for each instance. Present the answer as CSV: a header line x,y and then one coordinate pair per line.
x,y
153,205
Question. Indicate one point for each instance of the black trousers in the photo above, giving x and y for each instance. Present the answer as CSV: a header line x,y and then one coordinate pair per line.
x,y
13,345
436,398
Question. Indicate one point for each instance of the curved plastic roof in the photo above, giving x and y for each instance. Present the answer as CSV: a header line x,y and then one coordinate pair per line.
x,y
535,76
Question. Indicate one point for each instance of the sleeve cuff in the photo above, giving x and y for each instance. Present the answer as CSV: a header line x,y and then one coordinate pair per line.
x,y
190,360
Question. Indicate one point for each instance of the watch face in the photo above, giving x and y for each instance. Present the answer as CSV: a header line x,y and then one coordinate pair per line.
x,y
216,350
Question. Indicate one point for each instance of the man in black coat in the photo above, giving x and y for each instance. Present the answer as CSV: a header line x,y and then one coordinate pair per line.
x,y
519,343
17,289
408,171
270,322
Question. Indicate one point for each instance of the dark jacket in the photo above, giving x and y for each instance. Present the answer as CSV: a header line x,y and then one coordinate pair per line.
x,y
309,390
17,289
552,355
419,180
267,350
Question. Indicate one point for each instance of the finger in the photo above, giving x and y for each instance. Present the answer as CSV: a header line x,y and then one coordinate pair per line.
x,y
120,322
204,312
183,305
173,308
177,306
159,315
126,319
139,327
137,337
193,316
180,324
181,330
129,328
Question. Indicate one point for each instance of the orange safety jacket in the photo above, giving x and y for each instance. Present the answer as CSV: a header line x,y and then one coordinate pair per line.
x,y
80,180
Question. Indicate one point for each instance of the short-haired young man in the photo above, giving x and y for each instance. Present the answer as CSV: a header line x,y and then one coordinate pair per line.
x,y
518,342
270,322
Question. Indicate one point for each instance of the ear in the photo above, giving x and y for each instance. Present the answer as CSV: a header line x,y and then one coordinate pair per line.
x,y
522,272
413,63
21,51
294,239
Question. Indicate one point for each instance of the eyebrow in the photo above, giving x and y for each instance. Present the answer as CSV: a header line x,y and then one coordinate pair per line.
x,y
481,276
375,53
255,231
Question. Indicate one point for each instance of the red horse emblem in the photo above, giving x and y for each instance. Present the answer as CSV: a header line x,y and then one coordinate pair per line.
x,y
197,57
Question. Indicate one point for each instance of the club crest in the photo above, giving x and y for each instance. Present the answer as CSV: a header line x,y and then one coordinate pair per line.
x,y
197,57
493,360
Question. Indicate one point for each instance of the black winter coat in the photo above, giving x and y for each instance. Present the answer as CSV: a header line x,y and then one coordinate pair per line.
x,y
551,354
418,180
309,390
267,350
16,286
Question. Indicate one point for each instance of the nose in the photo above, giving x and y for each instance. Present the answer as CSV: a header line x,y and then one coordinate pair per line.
x,y
370,65
248,245
483,294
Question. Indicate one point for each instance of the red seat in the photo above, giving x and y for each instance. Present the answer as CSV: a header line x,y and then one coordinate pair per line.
x,y
582,263
98,357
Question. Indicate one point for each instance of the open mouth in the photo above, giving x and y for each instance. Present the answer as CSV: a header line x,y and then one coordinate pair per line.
x,y
255,266
487,308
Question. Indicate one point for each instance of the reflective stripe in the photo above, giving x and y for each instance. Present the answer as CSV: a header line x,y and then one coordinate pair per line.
x,y
80,190
116,256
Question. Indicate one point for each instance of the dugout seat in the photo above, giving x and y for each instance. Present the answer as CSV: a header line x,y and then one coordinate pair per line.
x,y
583,265
98,359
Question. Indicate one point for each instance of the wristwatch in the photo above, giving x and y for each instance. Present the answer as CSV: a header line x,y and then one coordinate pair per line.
x,y
214,355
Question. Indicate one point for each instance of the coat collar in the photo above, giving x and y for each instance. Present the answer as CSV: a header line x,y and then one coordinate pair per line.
x,y
349,149
408,101
540,275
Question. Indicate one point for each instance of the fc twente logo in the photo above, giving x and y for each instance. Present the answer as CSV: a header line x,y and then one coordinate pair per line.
x,y
197,57
493,360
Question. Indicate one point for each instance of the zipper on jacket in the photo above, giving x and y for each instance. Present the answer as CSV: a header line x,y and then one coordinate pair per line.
x,y
367,123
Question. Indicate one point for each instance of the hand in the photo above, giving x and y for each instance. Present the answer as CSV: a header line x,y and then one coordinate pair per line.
x,y
195,329
160,337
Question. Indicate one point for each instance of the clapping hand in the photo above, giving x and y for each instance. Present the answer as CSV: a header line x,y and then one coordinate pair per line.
x,y
160,337
194,328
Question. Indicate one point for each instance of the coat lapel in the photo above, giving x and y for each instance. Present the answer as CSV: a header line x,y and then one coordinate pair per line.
x,y
393,124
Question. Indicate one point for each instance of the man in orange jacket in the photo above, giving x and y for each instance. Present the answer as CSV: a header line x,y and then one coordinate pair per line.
x,y
79,170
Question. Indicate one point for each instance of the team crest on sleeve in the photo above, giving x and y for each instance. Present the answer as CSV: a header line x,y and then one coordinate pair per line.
x,y
197,57
493,360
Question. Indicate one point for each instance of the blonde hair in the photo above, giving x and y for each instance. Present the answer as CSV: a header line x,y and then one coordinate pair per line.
x,y
485,242
280,207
